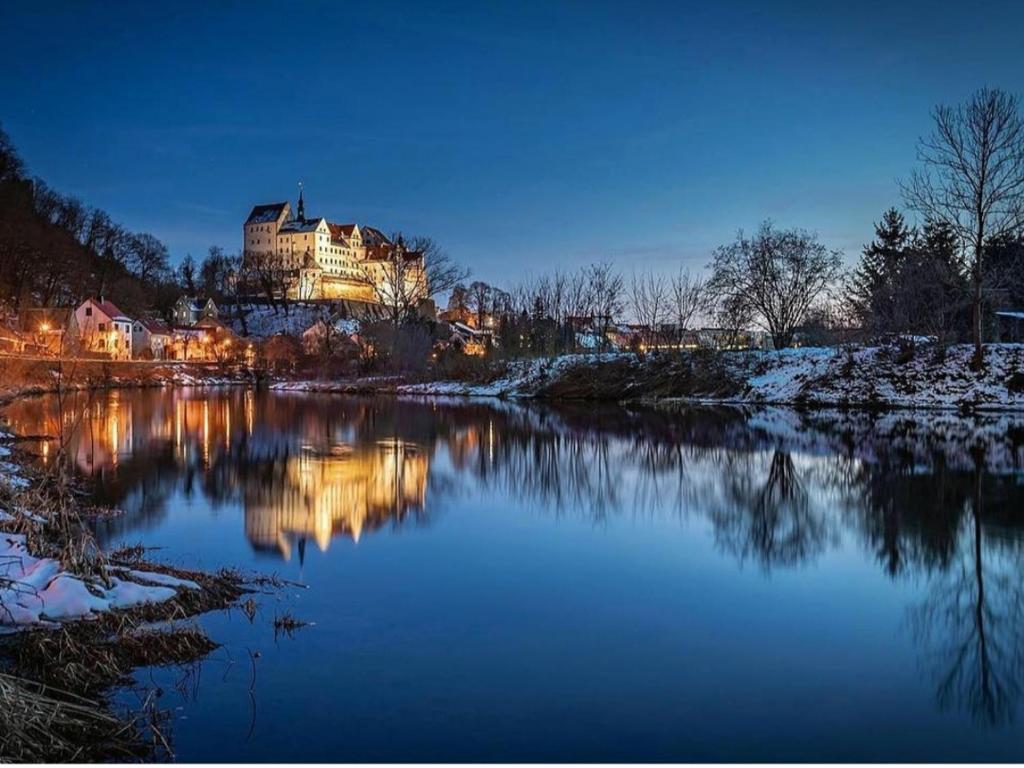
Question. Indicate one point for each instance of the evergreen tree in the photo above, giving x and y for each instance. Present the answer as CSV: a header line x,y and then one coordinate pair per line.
x,y
930,286
871,288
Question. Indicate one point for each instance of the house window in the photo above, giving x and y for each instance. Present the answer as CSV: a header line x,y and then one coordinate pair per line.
x,y
88,311
102,326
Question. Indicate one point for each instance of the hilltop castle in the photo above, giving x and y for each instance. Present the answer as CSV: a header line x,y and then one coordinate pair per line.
x,y
318,259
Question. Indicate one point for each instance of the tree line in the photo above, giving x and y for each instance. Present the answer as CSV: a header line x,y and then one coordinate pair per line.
x,y
941,277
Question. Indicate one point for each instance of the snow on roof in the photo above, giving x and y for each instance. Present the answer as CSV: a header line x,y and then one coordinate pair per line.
x,y
1015,314
264,214
309,225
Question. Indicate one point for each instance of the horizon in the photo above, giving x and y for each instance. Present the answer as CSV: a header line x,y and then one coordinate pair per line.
x,y
518,138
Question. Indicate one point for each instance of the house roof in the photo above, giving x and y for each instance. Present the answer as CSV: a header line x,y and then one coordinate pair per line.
x,y
155,326
195,303
264,214
210,322
110,309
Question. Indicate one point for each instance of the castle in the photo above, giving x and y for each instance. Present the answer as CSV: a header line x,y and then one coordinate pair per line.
x,y
317,259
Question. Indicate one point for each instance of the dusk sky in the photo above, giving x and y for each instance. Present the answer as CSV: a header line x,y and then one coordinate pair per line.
x,y
521,136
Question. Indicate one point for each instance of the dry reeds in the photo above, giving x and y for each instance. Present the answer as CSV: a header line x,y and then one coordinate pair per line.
x,y
41,724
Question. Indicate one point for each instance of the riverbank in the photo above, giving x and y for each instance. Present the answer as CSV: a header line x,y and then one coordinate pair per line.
x,y
925,377
23,377
75,621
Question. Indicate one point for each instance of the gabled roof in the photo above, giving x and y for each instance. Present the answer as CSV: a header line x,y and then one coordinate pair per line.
x,y
154,326
374,236
345,229
110,309
195,303
264,214
338,232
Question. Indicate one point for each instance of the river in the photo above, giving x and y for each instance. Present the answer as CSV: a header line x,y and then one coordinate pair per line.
x,y
495,581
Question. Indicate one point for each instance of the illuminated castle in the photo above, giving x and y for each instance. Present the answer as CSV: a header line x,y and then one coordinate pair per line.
x,y
318,259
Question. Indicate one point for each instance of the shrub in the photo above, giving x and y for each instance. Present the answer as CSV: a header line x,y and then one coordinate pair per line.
x,y
1015,383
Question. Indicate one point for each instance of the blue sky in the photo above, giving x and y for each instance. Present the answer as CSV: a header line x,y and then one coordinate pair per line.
x,y
522,136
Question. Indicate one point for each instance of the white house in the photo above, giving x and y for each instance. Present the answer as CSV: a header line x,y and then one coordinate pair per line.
x,y
152,336
104,328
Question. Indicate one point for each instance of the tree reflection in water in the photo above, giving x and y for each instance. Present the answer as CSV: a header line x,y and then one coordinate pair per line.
x,y
971,626
769,511
308,468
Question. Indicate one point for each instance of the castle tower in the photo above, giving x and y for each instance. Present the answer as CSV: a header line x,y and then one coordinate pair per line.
x,y
301,208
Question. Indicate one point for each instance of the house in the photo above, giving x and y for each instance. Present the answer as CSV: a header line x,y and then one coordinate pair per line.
x,y
103,328
189,310
188,343
471,341
151,338
329,336
47,325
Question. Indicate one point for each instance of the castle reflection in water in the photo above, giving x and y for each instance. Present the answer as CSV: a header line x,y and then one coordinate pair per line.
x,y
300,473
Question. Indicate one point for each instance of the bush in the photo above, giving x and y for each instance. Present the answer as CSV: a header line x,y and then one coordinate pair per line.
x,y
1015,383
452,365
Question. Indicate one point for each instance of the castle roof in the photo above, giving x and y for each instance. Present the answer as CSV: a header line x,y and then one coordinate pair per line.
x,y
309,225
373,236
344,230
264,214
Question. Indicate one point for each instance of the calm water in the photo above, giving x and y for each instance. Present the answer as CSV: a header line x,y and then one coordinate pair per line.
x,y
489,581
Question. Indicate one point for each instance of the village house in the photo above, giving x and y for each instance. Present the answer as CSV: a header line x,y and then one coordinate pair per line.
x,y
319,259
189,310
151,339
103,328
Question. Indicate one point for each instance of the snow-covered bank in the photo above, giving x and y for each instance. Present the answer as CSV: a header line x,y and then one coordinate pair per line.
x,y
836,377
886,376
519,378
37,591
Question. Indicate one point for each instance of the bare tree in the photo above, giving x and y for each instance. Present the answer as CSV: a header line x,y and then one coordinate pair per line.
x,y
480,299
973,180
411,271
649,300
607,297
265,272
776,276
689,299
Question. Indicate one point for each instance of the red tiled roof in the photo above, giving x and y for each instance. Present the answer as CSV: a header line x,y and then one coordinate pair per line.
x,y
344,229
109,309
155,326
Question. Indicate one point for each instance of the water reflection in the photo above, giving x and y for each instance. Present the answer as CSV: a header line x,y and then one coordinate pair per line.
x,y
937,500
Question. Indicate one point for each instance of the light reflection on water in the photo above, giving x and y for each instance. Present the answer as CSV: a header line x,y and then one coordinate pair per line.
x,y
581,582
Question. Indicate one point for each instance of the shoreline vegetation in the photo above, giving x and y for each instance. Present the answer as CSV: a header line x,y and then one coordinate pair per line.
x,y
76,621
903,374
896,376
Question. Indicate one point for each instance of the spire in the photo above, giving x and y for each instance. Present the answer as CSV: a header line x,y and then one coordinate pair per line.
x,y
302,206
